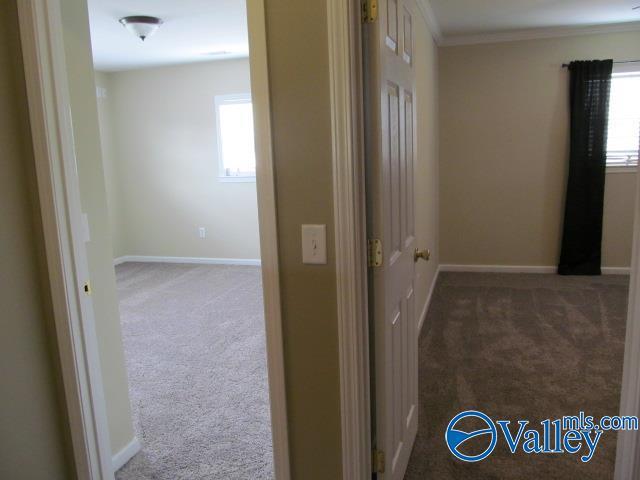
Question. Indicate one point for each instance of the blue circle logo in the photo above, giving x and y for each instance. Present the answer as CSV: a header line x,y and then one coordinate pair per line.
x,y
456,438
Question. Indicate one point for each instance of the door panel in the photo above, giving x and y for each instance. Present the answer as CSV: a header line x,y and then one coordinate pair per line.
x,y
407,44
392,25
390,123
408,143
394,157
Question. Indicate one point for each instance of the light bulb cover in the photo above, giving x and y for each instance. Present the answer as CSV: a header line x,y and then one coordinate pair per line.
x,y
141,26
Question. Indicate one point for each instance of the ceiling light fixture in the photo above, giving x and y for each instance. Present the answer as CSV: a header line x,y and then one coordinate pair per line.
x,y
141,26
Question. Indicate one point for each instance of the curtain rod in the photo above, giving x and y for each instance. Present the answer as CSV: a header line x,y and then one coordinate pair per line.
x,y
566,65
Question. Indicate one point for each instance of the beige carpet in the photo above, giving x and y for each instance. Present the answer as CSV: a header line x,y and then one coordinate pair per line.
x,y
519,347
195,351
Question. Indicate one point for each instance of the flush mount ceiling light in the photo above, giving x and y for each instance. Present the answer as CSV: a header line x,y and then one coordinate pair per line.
x,y
141,26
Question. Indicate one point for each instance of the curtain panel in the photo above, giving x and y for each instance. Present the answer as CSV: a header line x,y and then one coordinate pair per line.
x,y
581,250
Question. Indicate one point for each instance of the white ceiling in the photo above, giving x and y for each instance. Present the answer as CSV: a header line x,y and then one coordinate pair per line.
x,y
192,29
474,17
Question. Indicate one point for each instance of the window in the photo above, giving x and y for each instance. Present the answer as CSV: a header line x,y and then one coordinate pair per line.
x,y
234,118
624,119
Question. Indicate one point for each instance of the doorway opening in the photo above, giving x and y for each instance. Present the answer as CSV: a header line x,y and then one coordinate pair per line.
x,y
230,328
176,123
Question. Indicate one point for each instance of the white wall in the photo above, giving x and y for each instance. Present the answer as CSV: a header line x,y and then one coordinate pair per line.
x,y
504,140
162,163
426,167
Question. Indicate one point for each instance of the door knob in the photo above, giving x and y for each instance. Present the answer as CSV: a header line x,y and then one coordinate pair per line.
x,y
422,254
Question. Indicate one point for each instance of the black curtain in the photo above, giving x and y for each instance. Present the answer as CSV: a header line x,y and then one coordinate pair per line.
x,y
582,233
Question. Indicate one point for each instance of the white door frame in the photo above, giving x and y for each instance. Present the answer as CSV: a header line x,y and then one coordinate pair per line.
x,y
345,70
628,447
59,196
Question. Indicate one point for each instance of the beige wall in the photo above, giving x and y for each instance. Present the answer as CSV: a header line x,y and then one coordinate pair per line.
x,y
93,199
297,48
112,185
617,235
299,82
32,443
161,154
426,168
504,148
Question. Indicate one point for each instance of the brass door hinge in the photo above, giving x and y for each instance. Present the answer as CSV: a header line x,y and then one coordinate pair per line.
x,y
374,252
369,11
378,461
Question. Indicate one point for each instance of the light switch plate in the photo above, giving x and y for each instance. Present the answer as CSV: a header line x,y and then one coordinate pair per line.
x,y
314,244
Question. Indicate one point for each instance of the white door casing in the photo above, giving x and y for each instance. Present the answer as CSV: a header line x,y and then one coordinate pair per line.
x,y
390,138
64,235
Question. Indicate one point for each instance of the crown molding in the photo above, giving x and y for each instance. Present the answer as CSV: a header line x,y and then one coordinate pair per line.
x,y
430,19
537,33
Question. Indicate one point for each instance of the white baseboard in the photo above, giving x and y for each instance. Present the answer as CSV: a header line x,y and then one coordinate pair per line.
x,y
425,309
522,269
195,260
497,269
126,454
616,270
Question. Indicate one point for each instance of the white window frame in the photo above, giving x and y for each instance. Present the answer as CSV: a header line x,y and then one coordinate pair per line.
x,y
624,68
225,100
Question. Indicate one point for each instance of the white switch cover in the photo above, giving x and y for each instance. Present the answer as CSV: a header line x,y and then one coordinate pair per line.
x,y
202,232
314,244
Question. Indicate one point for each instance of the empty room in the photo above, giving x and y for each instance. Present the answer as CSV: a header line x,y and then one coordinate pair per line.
x,y
539,137
176,123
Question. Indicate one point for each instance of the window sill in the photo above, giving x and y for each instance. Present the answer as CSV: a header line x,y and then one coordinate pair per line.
x,y
621,170
237,179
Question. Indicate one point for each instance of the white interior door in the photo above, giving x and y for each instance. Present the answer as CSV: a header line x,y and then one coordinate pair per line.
x,y
389,112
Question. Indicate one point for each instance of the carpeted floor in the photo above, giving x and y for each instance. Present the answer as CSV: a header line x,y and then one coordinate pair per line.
x,y
195,351
519,347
